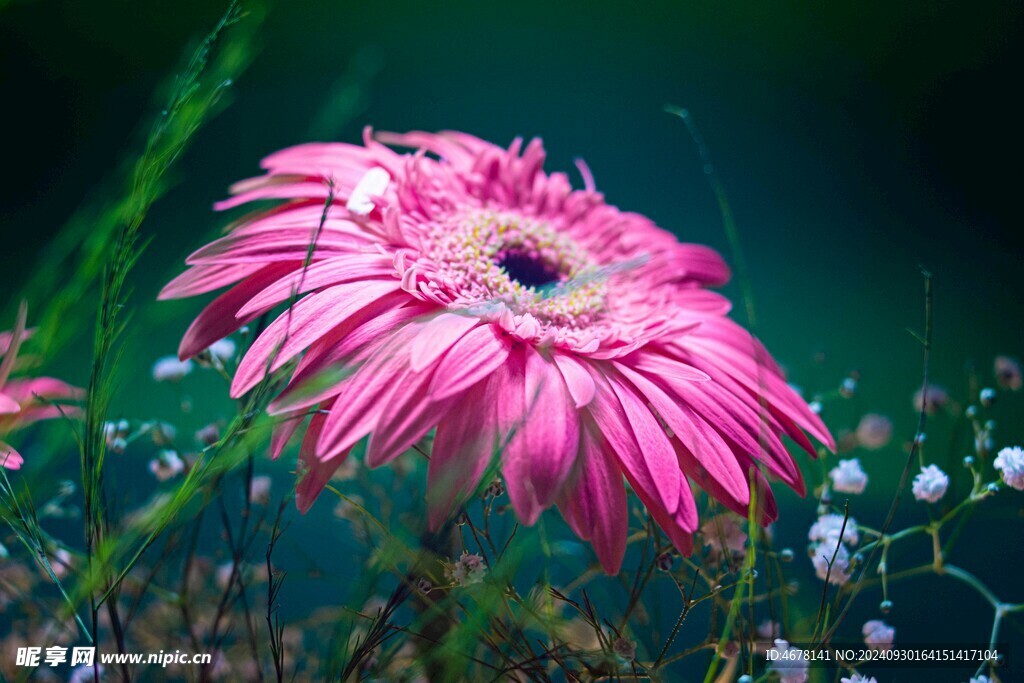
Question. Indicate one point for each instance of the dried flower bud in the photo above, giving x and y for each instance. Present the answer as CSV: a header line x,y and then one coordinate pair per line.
x,y
665,562
625,649
495,489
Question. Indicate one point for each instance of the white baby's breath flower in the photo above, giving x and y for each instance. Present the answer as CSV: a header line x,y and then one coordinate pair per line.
x,y
931,484
788,663
848,476
828,527
936,395
223,350
823,553
1010,462
724,535
170,369
259,489
878,635
858,678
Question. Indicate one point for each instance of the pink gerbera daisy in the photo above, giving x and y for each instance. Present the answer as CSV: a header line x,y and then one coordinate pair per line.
x,y
24,401
472,293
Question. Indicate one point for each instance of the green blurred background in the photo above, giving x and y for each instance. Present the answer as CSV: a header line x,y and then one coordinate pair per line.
x,y
856,140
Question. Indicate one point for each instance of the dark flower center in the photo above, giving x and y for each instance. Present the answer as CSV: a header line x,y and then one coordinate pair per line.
x,y
529,270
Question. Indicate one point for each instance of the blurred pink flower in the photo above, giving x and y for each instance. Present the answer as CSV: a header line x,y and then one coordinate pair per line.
x,y
166,464
1008,373
874,431
723,534
24,401
937,396
471,292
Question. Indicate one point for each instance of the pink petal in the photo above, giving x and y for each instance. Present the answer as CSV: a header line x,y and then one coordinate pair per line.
x,y
595,507
759,376
702,302
577,379
8,405
758,402
358,407
317,472
283,433
332,271
544,425
277,187
482,351
202,279
6,337
410,413
679,524
767,509
10,458
699,438
319,158
284,244
703,264
26,390
668,368
309,319
343,349
218,319
465,444
753,430
437,336
639,442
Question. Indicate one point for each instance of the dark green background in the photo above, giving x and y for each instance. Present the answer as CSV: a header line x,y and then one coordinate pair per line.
x,y
856,140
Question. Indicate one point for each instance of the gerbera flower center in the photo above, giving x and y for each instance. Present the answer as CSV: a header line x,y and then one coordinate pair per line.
x,y
528,268
484,257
